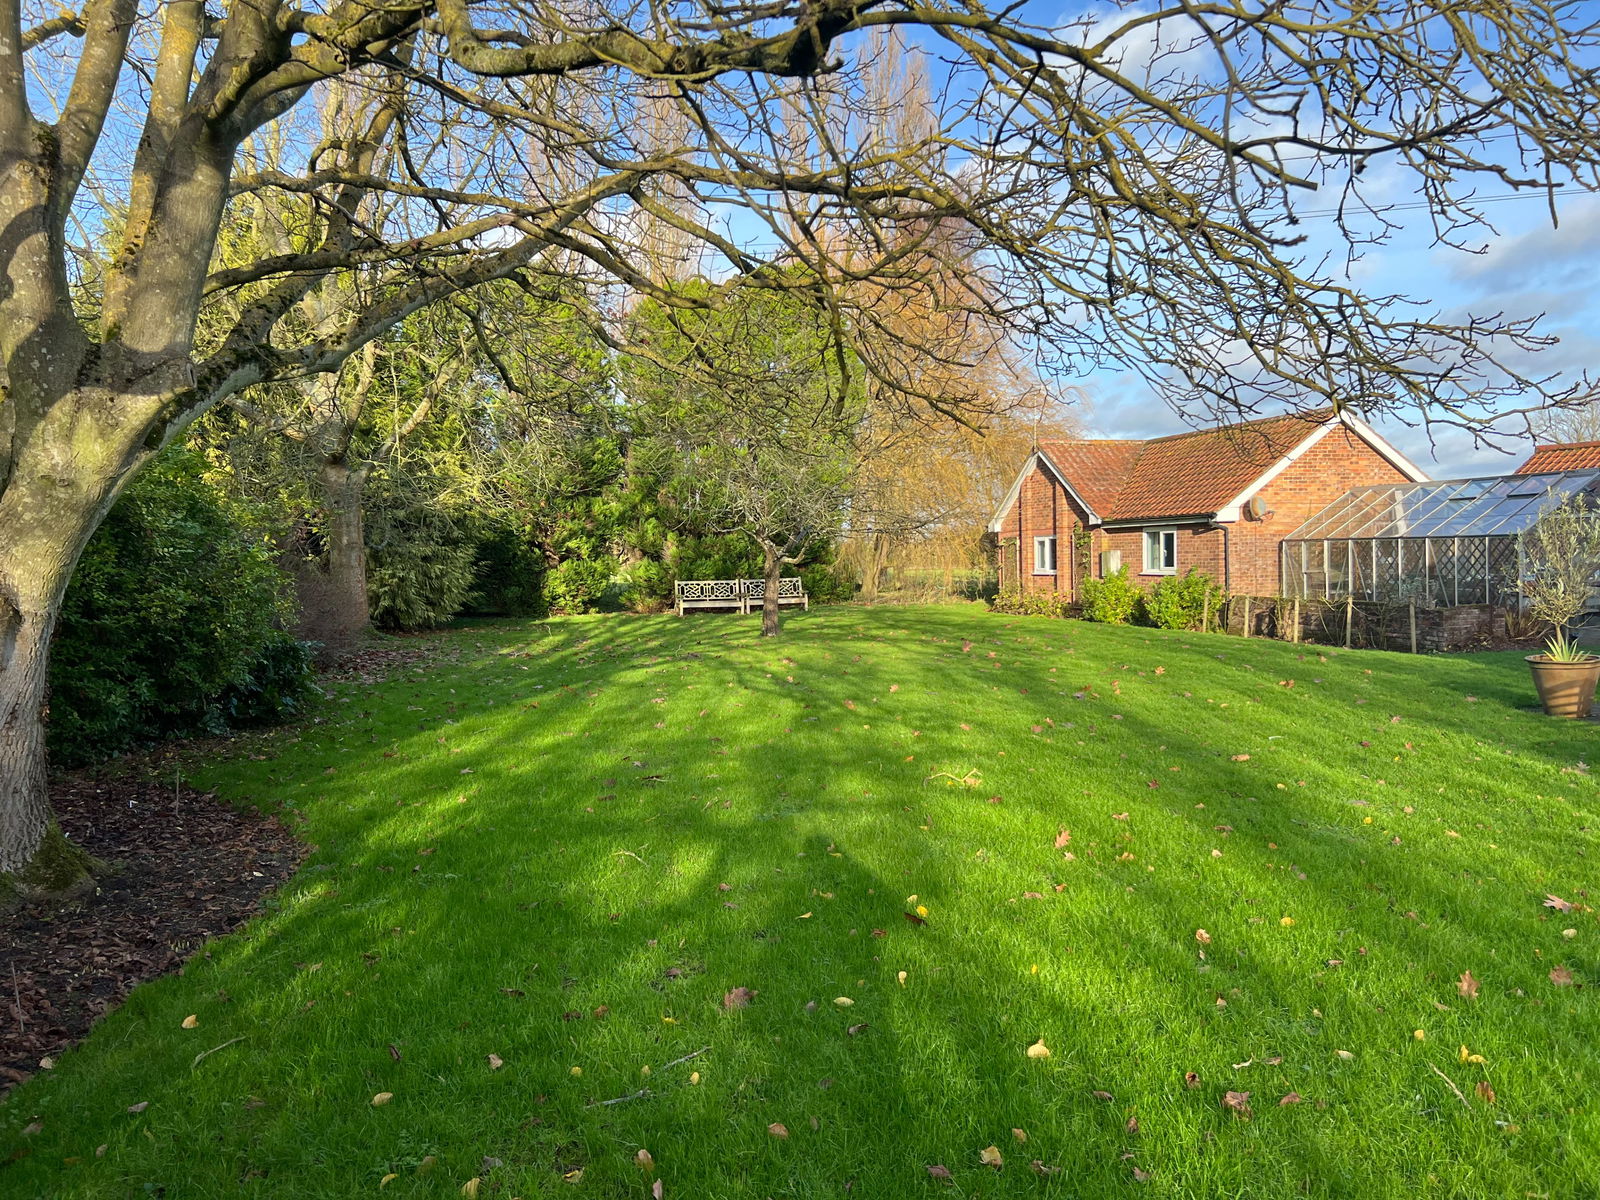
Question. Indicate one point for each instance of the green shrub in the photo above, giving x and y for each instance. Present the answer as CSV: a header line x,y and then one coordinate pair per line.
x,y
1032,604
415,584
1179,602
579,585
647,587
1113,600
507,575
172,625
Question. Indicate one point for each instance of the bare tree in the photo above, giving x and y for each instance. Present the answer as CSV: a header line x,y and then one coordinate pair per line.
x,y
1131,184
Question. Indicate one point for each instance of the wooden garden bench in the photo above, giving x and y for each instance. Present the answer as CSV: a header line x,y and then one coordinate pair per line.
x,y
737,595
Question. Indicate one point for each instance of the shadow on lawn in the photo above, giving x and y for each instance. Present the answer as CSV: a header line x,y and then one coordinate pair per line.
x,y
554,912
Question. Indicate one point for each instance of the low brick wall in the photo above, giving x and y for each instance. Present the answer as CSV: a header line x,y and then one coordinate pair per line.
x,y
1374,625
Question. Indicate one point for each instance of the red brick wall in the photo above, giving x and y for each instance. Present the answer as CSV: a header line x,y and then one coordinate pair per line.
x,y
1042,509
1339,462
1198,547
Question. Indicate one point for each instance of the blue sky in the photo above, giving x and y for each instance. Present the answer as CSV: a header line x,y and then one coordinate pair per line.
x,y
1525,268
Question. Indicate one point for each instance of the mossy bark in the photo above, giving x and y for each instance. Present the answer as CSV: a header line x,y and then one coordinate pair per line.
x,y
58,869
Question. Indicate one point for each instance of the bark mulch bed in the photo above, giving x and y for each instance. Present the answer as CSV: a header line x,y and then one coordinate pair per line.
x,y
181,867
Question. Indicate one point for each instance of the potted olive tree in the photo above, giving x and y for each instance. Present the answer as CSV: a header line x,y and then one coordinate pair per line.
x,y
1560,559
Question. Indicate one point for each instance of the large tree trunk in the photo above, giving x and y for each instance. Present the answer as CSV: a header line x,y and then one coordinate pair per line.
x,y
333,594
45,521
769,601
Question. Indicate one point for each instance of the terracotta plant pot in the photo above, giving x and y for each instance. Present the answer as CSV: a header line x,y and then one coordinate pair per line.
x,y
1566,689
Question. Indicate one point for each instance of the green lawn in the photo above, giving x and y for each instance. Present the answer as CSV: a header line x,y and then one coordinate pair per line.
x,y
565,845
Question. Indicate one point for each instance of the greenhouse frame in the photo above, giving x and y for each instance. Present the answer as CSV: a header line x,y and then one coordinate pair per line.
x,y
1444,543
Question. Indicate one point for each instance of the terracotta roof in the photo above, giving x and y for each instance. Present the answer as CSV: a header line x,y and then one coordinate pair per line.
x,y
1187,474
1563,456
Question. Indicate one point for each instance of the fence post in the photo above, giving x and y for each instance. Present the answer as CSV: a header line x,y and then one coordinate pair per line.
x,y
1349,617
1205,611
1247,600
1413,624
1296,619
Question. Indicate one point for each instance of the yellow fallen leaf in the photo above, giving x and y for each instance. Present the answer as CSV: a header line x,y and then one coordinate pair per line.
x,y
901,978
575,1072
1286,921
843,1001
922,910
802,916
573,1176
911,899
1420,1034
469,1189
666,1020
1034,970
387,1179
1039,1050
191,1021
645,1070
1461,1055
989,1156
382,1098
1344,1054
694,1077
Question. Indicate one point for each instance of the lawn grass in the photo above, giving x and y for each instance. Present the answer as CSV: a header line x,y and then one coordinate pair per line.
x,y
633,817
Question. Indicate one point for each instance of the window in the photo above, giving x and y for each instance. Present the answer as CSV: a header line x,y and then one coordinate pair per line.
x,y
1044,556
1160,551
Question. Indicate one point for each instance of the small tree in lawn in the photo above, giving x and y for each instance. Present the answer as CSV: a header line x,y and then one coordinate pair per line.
x,y
754,411
1560,559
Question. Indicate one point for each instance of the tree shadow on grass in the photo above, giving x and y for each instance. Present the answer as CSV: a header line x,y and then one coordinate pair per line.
x,y
538,903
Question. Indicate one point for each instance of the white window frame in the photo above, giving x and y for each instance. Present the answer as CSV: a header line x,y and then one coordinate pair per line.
x,y
1044,555
1156,540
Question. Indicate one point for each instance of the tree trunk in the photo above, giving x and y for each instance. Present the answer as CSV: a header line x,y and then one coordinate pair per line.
x,y
333,596
769,601
43,530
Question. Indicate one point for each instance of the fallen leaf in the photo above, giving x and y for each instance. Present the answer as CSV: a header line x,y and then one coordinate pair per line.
x,y
1122,816
1561,977
1104,1097
1020,1134
1063,839
1191,1080
1484,1091
1467,986
644,1160
1133,1125
387,1179
1344,1054
1040,1169
381,1099
1201,936
1140,1176
657,1190
739,997
139,1107
1557,903
496,1062
694,1077
1291,1098
990,1157
1237,1102
778,1130
938,1172
1241,758
574,1176
1039,1050
191,1021
856,1029
914,919
843,1001
469,1189
901,978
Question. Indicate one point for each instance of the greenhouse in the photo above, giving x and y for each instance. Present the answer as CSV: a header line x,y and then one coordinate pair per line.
x,y
1442,542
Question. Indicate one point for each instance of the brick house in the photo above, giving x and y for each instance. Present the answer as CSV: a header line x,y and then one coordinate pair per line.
x,y
1219,500
1562,456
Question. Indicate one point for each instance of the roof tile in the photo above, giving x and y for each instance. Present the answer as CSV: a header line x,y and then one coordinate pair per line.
x,y
1561,456
1187,474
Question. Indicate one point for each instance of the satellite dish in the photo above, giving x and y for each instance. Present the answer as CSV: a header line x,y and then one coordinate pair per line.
x,y
1255,510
